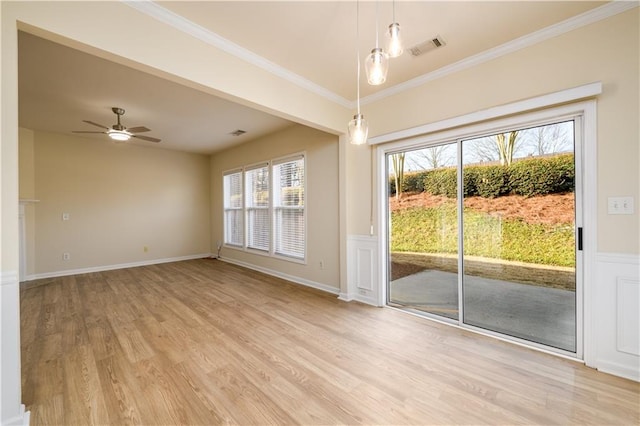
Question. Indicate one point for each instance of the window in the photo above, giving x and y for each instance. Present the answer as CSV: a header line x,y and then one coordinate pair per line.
x,y
288,205
264,208
233,212
257,207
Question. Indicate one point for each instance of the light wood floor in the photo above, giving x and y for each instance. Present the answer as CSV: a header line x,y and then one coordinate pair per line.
x,y
204,342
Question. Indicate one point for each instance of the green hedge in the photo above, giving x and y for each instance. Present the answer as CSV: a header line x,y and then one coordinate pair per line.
x,y
528,177
539,176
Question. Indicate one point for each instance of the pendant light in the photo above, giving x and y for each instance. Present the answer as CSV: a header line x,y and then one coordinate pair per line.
x,y
358,128
377,63
394,41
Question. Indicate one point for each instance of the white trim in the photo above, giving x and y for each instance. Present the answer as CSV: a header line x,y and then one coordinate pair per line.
x,y
278,274
631,259
518,107
180,23
555,107
21,419
8,277
618,370
154,10
346,297
578,21
116,266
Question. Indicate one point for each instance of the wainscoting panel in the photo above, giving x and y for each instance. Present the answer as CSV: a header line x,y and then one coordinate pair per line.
x,y
362,272
616,316
628,338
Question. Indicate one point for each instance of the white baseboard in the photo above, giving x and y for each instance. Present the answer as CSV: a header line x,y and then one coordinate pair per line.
x,y
112,267
8,277
369,300
619,370
346,297
278,274
21,419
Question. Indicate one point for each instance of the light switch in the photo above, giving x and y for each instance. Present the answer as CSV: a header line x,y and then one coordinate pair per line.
x,y
620,205
65,216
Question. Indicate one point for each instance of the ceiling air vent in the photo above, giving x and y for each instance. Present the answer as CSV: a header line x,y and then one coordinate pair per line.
x,y
238,132
427,46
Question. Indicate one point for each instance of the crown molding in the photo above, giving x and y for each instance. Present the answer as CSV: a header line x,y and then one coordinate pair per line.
x,y
603,12
154,10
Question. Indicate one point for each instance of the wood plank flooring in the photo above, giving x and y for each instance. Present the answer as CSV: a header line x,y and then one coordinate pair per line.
x,y
205,342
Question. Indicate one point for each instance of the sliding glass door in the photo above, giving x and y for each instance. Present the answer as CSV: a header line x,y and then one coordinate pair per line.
x,y
482,232
424,230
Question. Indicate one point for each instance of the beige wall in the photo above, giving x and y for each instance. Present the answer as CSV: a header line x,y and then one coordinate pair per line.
x,y
607,51
322,200
120,198
27,191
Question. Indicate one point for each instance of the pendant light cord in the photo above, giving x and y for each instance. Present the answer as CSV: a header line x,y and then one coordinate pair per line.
x,y
377,4
394,11
358,53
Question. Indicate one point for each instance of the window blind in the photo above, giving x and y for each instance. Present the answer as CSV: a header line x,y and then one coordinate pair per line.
x,y
233,213
257,207
288,206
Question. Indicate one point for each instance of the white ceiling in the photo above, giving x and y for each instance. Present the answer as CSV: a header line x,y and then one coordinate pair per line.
x,y
59,86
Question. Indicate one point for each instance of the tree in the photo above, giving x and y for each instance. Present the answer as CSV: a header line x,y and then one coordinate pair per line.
x,y
549,139
431,158
506,145
397,163
500,147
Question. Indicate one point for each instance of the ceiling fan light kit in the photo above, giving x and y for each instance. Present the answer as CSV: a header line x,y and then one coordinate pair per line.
x,y
119,135
118,132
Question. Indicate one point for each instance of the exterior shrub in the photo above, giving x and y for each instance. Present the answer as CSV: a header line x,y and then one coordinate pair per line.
x,y
414,182
528,177
492,181
470,176
540,176
441,182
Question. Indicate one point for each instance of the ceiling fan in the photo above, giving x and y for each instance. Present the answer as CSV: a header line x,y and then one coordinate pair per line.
x,y
118,132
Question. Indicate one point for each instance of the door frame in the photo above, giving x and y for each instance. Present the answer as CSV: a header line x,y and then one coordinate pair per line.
x,y
519,114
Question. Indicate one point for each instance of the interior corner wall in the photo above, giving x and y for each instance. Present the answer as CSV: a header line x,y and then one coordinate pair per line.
x,y
120,199
321,203
605,51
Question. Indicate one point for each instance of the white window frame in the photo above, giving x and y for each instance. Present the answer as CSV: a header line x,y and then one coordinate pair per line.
x,y
276,208
575,102
226,209
271,252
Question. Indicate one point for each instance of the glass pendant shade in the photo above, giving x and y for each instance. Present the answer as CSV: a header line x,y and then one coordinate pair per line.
x,y
394,41
358,130
377,65
119,135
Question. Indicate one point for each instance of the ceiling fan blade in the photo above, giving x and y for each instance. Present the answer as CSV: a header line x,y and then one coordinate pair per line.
x,y
86,131
138,129
146,138
96,124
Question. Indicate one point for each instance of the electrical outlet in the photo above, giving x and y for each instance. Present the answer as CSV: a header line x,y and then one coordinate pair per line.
x,y
66,216
66,256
